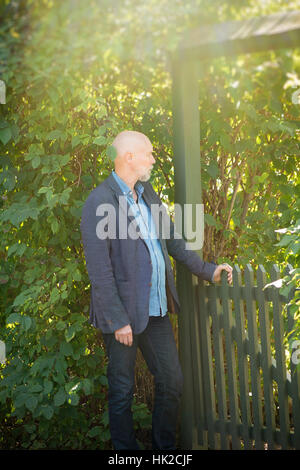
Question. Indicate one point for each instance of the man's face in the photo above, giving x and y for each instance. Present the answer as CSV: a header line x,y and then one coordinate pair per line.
x,y
143,161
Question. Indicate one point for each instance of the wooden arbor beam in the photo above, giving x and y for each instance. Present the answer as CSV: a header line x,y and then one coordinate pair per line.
x,y
281,30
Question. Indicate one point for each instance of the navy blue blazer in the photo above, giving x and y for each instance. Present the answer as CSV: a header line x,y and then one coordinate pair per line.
x,y
120,269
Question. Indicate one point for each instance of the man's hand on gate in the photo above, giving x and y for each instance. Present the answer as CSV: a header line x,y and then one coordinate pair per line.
x,y
124,335
219,269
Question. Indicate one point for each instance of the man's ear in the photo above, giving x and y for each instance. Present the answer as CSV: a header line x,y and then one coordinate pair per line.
x,y
128,156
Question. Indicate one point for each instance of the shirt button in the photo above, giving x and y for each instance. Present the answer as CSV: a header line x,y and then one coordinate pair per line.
x,y
150,284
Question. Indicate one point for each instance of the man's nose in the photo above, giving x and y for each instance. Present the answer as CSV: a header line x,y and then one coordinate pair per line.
x,y
153,160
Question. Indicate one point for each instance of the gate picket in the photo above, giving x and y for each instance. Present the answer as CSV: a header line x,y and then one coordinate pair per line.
x,y
230,362
254,365
242,356
280,361
207,366
214,305
266,358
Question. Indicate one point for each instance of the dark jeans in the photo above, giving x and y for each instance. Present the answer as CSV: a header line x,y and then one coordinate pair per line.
x,y
159,350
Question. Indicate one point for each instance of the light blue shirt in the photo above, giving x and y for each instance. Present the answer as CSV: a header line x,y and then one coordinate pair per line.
x,y
144,219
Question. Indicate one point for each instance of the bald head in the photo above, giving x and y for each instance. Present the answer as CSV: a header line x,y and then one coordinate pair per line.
x,y
130,141
134,158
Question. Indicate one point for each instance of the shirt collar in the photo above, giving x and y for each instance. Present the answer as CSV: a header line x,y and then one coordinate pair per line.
x,y
125,188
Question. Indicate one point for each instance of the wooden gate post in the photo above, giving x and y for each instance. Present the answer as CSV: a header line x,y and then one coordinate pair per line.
x,y
188,190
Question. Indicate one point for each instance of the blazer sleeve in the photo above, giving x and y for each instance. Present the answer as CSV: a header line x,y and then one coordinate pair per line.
x,y
178,249
106,298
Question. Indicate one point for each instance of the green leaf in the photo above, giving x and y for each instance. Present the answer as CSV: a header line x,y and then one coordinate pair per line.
x,y
69,334
13,318
48,386
42,365
213,170
55,295
47,411
66,349
95,431
54,226
57,134
111,152
285,290
77,275
225,141
35,162
263,177
30,428
9,181
5,135
60,397
65,195
61,325
31,403
3,124
20,299
49,195
74,399
76,140
210,220
26,323
72,386
103,380
284,241
105,418
87,386
36,388
272,204
101,140
295,247
101,130
20,399
33,150
44,189
12,249
63,160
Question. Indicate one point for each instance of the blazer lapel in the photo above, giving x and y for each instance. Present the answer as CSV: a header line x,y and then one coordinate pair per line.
x,y
124,208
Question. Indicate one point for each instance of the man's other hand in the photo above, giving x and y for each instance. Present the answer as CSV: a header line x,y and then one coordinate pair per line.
x,y
219,269
124,335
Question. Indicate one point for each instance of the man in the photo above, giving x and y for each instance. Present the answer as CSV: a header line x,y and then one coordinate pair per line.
x,y
133,289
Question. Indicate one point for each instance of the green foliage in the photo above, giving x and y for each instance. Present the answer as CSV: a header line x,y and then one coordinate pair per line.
x,y
249,140
76,74
290,244
55,130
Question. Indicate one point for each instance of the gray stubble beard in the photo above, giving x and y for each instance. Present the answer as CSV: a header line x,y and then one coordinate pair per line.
x,y
146,176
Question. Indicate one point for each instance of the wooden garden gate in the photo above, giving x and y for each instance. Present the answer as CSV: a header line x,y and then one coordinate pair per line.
x,y
237,391
245,383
